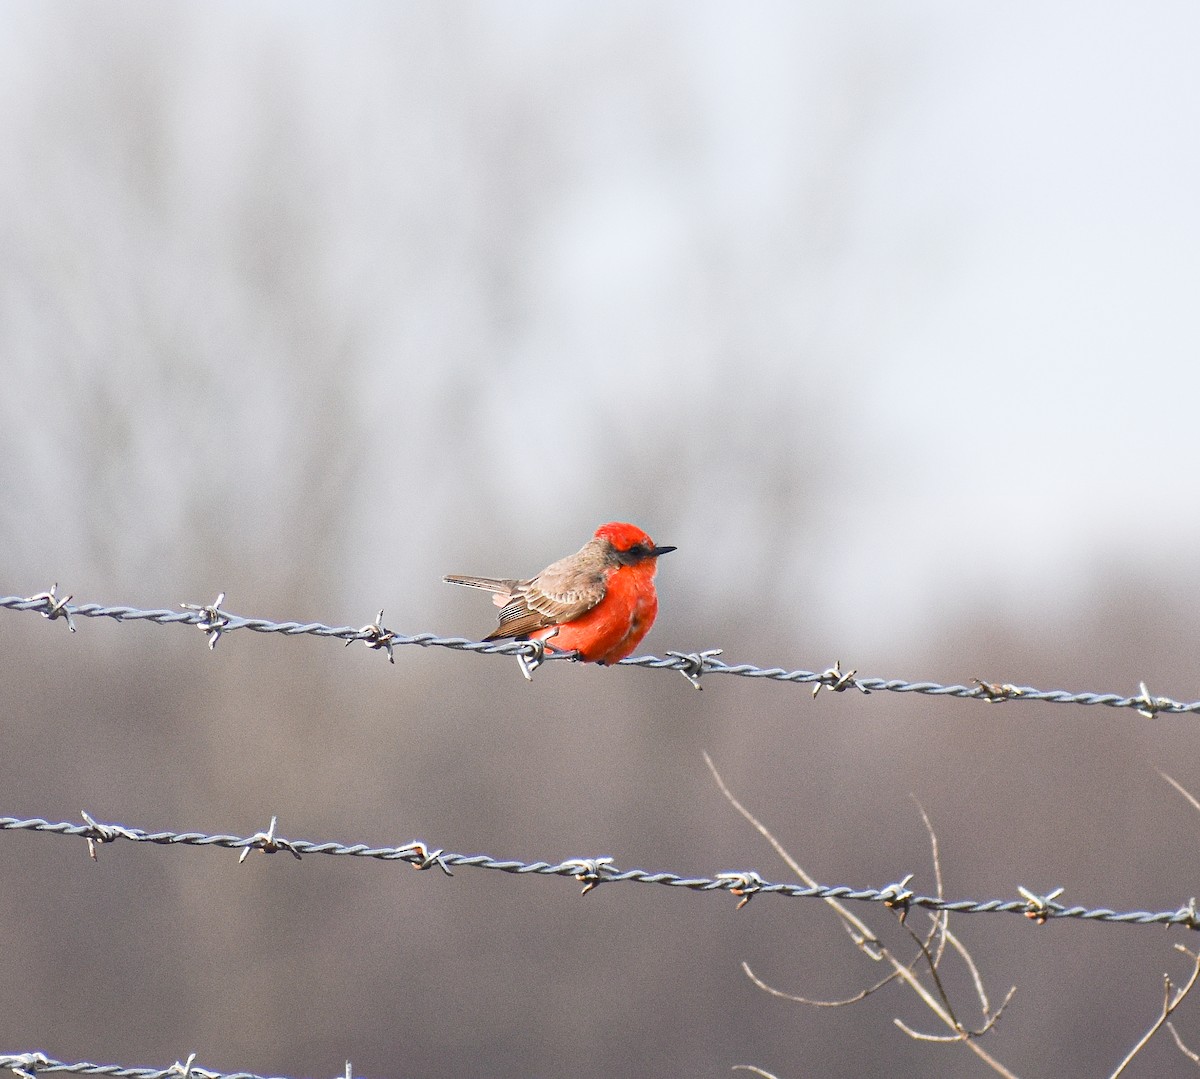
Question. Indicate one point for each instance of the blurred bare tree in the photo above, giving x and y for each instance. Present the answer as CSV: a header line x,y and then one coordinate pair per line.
x,y
311,306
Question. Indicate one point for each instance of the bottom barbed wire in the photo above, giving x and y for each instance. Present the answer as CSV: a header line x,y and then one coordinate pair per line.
x,y
592,872
29,1065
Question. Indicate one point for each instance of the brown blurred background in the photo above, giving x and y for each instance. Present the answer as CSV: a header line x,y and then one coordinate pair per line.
x,y
883,316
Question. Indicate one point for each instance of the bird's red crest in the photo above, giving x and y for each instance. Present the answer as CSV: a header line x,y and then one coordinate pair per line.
x,y
623,536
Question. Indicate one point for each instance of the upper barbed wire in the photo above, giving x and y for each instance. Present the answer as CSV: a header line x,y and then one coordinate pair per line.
x,y
216,622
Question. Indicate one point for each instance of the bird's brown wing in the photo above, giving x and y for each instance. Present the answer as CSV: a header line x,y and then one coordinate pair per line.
x,y
562,592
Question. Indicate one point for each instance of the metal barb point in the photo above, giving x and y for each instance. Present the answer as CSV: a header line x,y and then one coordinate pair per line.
x,y
375,635
268,843
419,855
213,622
184,1068
1150,706
1040,907
1188,916
742,882
695,663
57,608
27,1064
591,871
898,896
531,658
101,833
993,692
835,680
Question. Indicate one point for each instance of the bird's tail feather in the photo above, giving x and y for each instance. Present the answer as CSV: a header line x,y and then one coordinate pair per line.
x,y
491,584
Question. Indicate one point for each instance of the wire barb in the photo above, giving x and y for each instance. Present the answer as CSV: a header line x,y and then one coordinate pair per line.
x,y
898,896
54,607
187,1070
26,1064
1149,706
533,655
98,834
994,692
213,621
420,856
1039,908
268,843
694,664
1188,916
590,872
834,680
375,635
745,883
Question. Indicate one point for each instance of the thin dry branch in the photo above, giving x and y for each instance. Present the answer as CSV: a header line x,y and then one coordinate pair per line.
x,y
936,857
1182,790
862,935
796,999
1170,1003
1191,1054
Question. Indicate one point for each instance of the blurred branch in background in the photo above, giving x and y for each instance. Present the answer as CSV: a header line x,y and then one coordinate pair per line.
x,y
937,999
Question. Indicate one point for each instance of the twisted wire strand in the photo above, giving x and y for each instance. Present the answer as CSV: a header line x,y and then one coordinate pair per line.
x,y
593,871
28,1065
216,622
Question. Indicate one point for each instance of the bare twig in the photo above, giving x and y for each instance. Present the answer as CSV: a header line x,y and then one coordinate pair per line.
x,y
1191,1054
795,999
863,935
1182,790
1170,1003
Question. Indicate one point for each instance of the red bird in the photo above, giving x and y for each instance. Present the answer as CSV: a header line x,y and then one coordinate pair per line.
x,y
599,602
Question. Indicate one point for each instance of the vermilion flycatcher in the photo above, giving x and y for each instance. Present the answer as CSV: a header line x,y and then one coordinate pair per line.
x,y
599,602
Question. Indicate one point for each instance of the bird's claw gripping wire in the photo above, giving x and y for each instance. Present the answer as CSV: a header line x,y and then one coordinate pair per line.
x,y
694,664
213,621
376,635
532,657
55,607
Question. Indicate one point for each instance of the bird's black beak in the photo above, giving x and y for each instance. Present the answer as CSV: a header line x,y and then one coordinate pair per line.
x,y
656,551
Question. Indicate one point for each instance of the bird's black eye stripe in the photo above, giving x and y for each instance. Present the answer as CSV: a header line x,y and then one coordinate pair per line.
x,y
639,552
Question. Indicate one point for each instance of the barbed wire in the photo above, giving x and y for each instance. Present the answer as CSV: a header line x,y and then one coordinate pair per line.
x,y
591,872
31,1064
215,623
